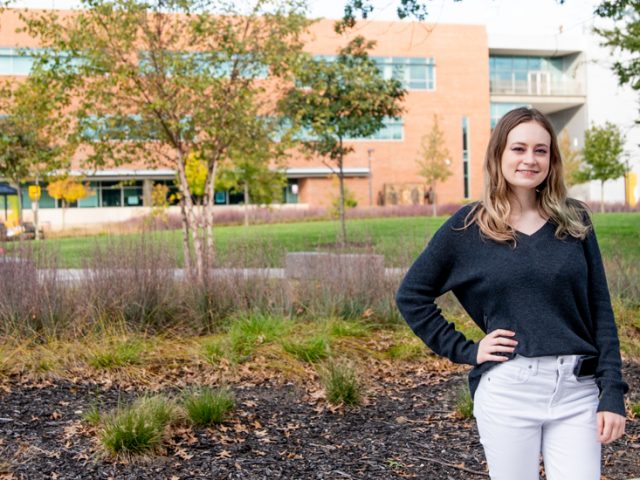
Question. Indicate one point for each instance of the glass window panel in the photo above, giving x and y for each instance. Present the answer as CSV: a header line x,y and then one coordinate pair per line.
x,y
503,63
22,65
520,63
398,72
535,63
418,85
6,65
133,196
111,197
24,193
236,198
418,72
90,201
220,198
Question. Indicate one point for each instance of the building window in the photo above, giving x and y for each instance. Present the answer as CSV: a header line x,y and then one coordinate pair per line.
x,y
393,129
465,156
499,109
132,194
528,75
413,73
290,192
12,63
110,194
91,200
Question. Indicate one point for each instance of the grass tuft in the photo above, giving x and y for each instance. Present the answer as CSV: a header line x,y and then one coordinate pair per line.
x,y
213,351
635,410
464,404
93,416
406,351
311,350
206,406
138,428
118,355
248,333
341,385
344,328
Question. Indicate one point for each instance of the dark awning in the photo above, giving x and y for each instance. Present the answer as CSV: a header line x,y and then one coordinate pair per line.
x,y
7,190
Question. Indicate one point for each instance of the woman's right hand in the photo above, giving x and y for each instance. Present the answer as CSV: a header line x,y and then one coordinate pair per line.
x,y
494,342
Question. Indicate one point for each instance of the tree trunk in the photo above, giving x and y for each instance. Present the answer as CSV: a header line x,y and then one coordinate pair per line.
x,y
210,196
246,204
343,223
19,190
602,196
191,218
434,201
64,210
185,237
36,220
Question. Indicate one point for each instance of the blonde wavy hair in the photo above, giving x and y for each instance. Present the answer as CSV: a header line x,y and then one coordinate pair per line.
x,y
492,214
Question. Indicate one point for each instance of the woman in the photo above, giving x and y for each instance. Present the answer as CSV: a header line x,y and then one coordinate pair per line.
x,y
525,265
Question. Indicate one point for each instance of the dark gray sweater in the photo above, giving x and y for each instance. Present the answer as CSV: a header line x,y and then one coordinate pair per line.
x,y
553,293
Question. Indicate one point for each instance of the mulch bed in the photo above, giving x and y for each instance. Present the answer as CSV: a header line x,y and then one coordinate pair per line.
x,y
406,429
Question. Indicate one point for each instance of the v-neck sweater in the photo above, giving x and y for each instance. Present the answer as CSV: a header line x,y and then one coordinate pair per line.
x,y
551,292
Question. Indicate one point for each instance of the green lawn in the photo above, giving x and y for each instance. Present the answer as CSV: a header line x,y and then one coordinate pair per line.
x,y
400,239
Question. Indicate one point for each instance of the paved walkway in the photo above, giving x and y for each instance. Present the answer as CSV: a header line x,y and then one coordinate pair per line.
x,y
79,274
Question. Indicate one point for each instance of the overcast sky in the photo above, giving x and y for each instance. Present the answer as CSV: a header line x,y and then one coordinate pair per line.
x,y
500,16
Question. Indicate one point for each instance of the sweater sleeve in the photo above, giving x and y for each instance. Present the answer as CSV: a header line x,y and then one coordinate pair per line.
x,y
428,278
608,372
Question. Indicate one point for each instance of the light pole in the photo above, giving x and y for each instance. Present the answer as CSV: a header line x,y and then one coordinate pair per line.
x,y
369,152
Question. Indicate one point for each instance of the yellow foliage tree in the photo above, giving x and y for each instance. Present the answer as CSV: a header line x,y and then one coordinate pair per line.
x,y
67,190
570,160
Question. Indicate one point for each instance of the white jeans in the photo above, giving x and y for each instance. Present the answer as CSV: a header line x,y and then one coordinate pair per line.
x,y
530,405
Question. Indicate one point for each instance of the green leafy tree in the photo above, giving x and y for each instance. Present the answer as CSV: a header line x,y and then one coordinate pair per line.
x,y
416,9
434,161
168,78
31,142
339,99
257,169
623,38
571,162
602,156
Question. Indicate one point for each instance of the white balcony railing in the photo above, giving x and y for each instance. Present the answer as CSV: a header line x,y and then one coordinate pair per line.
x,y
538,84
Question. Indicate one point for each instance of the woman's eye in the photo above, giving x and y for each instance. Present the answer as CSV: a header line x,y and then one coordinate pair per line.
x,y
518,149
541,151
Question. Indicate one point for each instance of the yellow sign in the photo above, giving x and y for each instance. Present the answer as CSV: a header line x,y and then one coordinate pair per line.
x,y
34,192
632,189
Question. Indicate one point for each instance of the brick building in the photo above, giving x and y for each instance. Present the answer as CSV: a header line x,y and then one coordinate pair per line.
x,y
457,72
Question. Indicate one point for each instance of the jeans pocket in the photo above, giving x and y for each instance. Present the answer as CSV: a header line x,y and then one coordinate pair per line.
x,y
509,373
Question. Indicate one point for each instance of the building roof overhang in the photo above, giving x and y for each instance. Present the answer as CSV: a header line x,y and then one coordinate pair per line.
x,y
558,45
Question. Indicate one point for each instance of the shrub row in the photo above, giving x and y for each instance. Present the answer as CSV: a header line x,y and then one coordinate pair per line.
x,y
130,285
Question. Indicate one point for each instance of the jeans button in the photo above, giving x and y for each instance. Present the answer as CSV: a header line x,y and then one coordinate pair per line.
x,y
561,361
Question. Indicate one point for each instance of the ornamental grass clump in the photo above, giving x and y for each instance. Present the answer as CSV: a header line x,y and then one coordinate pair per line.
x,y
34,303
337,327
240,285
341,385
246,334
129,282
138,428
214,351
116,355
310,350
206,406
409,350
464,403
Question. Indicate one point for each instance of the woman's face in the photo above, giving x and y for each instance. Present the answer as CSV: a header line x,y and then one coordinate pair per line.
x,y
526,157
